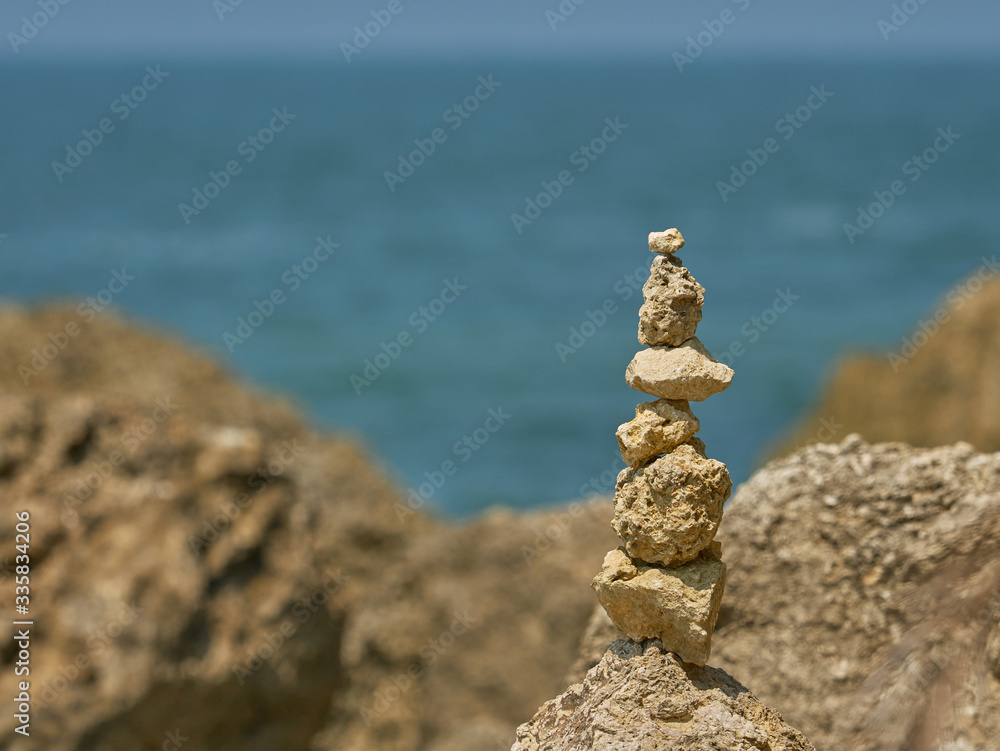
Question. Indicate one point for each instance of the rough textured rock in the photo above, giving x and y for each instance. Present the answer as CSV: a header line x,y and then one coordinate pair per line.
x,y
679,606
642,697
687,372
658,428
669,241
487,614
673,301
669,511
863,592
953,379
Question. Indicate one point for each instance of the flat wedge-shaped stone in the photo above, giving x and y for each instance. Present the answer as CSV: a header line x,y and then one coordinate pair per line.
x,y
687,372
666,242
668,512
673,300
679,606
658,428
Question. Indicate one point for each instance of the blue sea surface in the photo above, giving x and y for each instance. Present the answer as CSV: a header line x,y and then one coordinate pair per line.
x,y
454,306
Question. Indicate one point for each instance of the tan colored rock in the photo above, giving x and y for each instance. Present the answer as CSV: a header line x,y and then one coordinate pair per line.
x,y
687,372
679,606
669,241
673,300
659,427
668,512
641,698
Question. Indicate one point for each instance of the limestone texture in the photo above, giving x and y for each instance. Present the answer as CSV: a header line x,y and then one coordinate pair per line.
x,y
658,428
642,698
678,605
687,372
668,511
669,241
673,301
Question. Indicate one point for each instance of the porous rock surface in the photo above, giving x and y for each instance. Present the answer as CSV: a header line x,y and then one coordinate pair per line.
x,y
658,428
673,304
642,697
677,605
668,241
668,511
687,372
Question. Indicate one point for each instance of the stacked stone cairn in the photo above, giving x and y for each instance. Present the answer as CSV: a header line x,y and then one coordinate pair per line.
x,y
666,581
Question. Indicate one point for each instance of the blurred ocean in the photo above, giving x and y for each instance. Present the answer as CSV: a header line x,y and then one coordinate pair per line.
x,y
490,342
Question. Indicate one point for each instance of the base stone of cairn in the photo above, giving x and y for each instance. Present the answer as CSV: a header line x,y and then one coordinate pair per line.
x,y
667,581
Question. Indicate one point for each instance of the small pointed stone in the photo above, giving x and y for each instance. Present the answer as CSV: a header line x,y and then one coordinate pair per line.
x,y
679,606
673,300
666,242
668,511
687,372
658,428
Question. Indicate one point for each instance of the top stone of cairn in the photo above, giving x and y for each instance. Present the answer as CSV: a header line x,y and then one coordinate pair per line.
x,y
668,242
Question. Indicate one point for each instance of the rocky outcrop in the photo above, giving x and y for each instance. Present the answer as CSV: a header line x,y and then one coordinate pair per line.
x,y
937,387
668,579
641,696
205,565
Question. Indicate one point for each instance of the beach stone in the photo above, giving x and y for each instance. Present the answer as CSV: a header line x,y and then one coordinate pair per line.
x,y
679,606
668,511
658,427
669,241
673,301
687,372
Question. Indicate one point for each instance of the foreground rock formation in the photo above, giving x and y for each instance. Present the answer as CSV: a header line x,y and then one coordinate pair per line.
x,y
667,581
937,387
641,696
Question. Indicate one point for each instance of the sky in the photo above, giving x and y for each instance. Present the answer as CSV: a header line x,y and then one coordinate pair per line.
x,y
442,28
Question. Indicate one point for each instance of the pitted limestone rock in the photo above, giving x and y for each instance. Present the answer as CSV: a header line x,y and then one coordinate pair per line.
x,y
669,241
678,606
668,511
658,427
686,373
673,300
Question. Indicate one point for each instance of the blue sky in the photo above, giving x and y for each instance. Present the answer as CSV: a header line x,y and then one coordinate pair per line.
x,y
447,27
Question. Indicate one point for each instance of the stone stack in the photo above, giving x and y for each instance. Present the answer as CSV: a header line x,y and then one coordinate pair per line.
x,y
666,581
